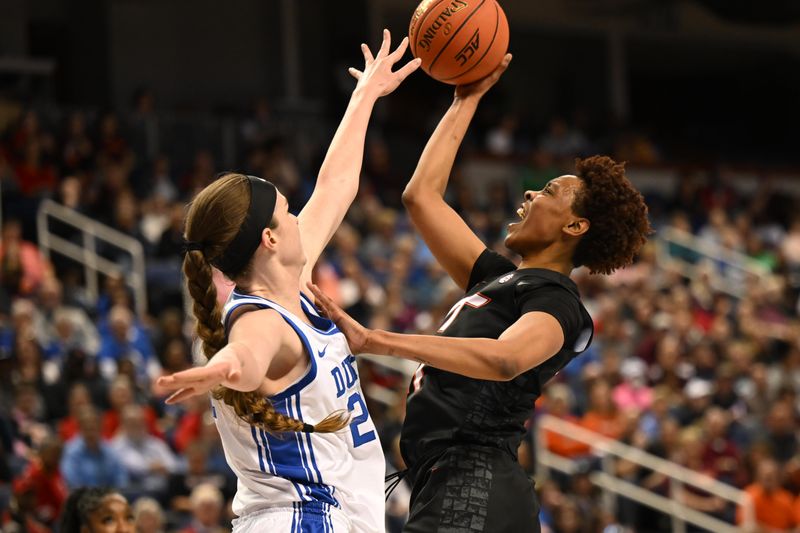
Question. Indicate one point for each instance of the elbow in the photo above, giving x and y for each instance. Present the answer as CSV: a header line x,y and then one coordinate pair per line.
x,y
506,368
410,197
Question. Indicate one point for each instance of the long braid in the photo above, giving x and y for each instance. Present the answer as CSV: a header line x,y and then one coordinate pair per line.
x,y
252,407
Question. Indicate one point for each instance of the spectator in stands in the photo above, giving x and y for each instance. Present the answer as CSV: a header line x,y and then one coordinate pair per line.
x,y
147,459
125,339
148,515
22,267
690,455
190,425
563,142
77,148
120,396
111,145
207,502
37,178
633,392
21,513
197,473
87,460
720,454
60,328
781,431
602,416
559,402
698,398
43,477
78,399
773,506
28,429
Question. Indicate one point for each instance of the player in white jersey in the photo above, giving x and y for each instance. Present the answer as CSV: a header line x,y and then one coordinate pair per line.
x,y
285,389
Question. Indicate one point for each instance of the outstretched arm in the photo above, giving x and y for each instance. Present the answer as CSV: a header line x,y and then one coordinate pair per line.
x,y
532,339
337,182
436,221
241,365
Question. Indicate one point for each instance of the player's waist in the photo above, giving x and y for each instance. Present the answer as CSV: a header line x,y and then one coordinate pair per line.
x,y
421,458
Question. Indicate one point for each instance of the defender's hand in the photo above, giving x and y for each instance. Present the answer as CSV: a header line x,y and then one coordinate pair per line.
x,y
357,335
377,76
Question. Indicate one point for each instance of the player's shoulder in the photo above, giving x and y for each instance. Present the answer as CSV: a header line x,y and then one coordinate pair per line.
x,y
543,280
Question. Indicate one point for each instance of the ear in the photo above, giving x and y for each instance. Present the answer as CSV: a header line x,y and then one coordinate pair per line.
x,y
269,239
576,227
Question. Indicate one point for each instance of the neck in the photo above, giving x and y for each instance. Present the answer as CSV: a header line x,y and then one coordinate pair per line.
x,y
549,259
279,284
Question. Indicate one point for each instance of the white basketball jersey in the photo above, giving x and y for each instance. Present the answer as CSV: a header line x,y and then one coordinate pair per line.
x,y
312,470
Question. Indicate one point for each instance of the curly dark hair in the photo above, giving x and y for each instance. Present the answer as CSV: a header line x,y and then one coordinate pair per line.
x,y
617,215
80,504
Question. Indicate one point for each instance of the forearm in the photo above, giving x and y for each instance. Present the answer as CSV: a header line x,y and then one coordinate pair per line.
x,y
478,358
435,164
342,165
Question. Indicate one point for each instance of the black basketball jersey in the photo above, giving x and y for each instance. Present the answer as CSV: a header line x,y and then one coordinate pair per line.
x,y
445,409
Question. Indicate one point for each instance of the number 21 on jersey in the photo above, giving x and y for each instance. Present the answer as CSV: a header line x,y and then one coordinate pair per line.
x,y
476,300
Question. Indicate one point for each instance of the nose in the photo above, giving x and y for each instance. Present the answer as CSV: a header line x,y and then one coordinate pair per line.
x,y
529,195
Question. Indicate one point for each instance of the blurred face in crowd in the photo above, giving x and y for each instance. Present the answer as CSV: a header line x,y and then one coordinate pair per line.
x,y
716,423
176,357
207,512
114,515
767,475
196,458
50,293
601,398
120,320
149,521
89,424
120,394
78,397
781,419
50,454
546,216
133,423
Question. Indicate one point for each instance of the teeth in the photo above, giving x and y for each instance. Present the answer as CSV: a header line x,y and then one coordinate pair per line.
x,y
521,212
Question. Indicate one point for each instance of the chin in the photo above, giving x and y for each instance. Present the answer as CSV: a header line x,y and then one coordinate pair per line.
x,y
510,243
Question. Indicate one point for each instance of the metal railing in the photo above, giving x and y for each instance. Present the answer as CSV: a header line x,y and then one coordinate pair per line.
x,y
608,450
730,271
86,254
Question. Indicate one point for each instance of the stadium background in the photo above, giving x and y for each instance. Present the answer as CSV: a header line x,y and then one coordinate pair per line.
x,y
121,109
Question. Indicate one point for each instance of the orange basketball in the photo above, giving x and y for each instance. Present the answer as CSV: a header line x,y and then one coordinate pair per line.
x,y
459,41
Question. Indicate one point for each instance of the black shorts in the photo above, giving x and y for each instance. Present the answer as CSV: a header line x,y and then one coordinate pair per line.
x,y
473,489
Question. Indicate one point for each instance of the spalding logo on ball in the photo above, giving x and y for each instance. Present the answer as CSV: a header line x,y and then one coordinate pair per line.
x,y
459,41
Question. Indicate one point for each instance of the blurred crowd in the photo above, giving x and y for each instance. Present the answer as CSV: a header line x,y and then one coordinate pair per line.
x,y
700,376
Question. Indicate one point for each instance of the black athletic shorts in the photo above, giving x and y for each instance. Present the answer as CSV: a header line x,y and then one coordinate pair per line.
x,y
473,489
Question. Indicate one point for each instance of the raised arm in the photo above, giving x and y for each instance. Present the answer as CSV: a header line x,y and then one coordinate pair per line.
x,y
337,182
452,242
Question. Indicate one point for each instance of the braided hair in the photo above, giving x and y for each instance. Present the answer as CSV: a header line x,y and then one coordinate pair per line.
x,y
214,217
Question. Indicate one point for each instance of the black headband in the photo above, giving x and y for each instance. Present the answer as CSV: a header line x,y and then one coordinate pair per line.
x,y
263,196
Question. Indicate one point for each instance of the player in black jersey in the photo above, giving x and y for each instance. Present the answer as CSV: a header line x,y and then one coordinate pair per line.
x,y
515,328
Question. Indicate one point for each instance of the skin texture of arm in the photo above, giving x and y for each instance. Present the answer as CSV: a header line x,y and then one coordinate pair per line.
x,y
337,181
527,343
241,365
437,222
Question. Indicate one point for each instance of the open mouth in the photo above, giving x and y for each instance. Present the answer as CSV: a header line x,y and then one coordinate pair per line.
x,y
522,212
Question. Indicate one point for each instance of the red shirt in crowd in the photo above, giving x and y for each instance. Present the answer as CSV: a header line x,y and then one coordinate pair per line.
x,y
49,487
111,423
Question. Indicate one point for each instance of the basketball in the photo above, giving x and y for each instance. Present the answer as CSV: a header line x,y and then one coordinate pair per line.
x,y
459,41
